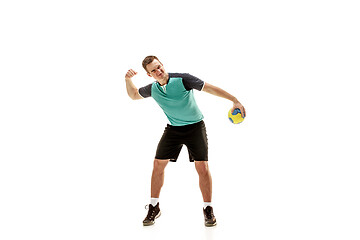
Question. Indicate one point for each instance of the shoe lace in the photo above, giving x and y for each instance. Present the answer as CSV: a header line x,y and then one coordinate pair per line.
x,y
209,213
151,212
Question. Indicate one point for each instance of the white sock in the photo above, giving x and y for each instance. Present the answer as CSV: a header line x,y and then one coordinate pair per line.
x,y
207,204
154,201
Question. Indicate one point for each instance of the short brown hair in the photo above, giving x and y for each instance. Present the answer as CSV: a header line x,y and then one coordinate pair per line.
x,y
149,60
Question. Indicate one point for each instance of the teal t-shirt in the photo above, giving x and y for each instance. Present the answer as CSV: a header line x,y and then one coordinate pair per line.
x,y
176,98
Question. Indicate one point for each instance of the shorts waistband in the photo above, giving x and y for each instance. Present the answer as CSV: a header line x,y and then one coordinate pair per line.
x,y
187,126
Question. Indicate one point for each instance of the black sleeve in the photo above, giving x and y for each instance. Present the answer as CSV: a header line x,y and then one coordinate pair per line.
x,y
145,91
191,82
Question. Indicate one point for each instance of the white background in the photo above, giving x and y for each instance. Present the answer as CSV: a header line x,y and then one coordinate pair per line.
x,y
76,152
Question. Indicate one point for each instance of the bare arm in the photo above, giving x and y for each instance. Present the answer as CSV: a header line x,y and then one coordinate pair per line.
x,y
132,91
222,93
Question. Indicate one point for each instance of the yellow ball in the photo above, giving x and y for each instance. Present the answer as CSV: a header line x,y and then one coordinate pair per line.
x,y
235,116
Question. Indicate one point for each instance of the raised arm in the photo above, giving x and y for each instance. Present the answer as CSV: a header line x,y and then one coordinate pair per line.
x,y
130,87
222,93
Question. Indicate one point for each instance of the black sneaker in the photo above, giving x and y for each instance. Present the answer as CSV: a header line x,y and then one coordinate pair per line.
x,y
210,219
153,213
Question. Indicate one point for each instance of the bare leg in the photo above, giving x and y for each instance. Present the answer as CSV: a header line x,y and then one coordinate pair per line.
x,y
157,178
205,180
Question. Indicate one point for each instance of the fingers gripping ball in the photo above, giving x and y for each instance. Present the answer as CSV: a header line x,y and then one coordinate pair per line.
x,y
235,116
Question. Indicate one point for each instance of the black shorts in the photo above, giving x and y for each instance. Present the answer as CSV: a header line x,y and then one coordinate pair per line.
x,y
174,137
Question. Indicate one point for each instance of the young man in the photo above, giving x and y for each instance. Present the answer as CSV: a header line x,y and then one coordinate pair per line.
x,y
174,94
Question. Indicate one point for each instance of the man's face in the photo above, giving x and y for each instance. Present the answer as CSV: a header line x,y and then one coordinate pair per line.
x,y
156,70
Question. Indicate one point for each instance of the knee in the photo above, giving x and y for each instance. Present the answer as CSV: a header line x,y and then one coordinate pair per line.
x,y
159,165
202,168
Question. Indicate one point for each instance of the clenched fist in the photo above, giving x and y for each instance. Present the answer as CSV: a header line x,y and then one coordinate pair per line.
x,y
130,73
